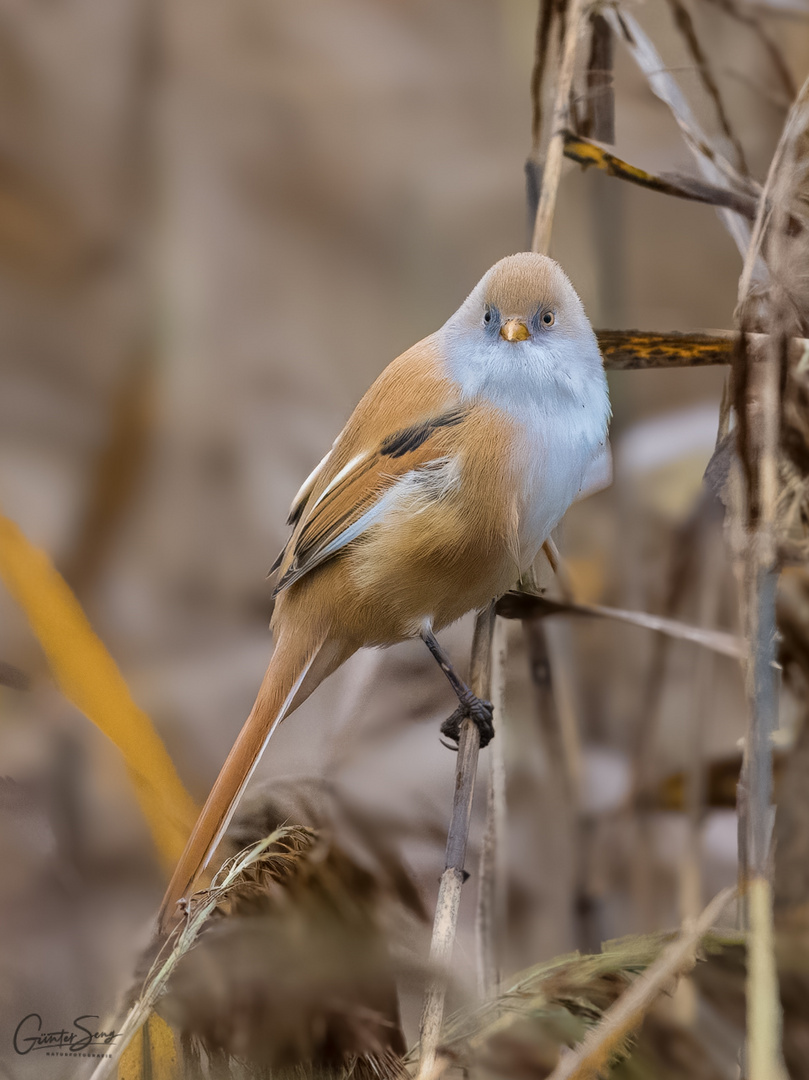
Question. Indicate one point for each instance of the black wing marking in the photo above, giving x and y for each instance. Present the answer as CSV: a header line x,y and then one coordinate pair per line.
x,y
410,438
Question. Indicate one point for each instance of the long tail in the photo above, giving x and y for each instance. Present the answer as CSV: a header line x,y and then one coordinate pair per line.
x,y
291,676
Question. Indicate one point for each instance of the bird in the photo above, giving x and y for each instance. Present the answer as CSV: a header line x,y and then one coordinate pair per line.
x,y
433,500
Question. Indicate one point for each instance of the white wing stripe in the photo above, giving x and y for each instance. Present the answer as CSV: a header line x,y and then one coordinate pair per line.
x,y
346,469
307,485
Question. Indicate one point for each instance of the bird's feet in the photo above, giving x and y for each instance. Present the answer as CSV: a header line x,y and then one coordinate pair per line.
x,y
479,711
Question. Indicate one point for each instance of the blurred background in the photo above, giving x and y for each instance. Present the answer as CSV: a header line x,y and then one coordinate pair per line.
x,y
218,223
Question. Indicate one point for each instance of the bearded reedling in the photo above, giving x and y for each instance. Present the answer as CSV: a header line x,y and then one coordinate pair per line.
x,y
434,499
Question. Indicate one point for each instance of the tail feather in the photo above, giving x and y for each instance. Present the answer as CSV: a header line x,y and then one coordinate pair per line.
x,y
291,676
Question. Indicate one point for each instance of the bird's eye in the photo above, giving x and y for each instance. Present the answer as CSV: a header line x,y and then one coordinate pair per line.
x,y
487,316
548,319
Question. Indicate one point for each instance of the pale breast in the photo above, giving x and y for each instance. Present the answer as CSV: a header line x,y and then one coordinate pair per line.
x,y
557,441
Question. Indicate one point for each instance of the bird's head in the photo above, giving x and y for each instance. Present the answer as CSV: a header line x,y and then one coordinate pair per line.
x,y
526,297
525,315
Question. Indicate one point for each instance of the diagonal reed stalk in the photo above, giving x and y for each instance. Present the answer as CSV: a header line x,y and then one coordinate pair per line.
x,y
526,606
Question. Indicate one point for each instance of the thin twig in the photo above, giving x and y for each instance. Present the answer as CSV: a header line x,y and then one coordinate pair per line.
x,y
597,1048
526,606
449,890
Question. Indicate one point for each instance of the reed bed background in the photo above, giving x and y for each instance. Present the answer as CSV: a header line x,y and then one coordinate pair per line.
x,y
217,224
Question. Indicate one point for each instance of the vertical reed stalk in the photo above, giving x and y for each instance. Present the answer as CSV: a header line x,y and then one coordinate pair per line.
x,y
552,171
758,380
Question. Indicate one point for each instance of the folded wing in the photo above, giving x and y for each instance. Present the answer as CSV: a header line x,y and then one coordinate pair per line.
x,y
347,500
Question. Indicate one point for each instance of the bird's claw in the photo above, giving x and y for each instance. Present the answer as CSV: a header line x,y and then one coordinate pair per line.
x,y
480,712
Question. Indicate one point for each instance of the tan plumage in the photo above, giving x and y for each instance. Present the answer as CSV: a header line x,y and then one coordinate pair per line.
x,y
439,491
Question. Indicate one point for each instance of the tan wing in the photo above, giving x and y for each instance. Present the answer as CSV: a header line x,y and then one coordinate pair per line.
x,y
401,423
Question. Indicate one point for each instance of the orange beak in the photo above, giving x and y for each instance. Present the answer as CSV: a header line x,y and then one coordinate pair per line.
x,y
514,330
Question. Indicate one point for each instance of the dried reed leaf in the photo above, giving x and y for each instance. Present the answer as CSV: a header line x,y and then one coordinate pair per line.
x,y
491,916
89,678
588,153
759,389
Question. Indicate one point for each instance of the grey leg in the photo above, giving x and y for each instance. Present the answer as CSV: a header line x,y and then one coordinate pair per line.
x,y
474,707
